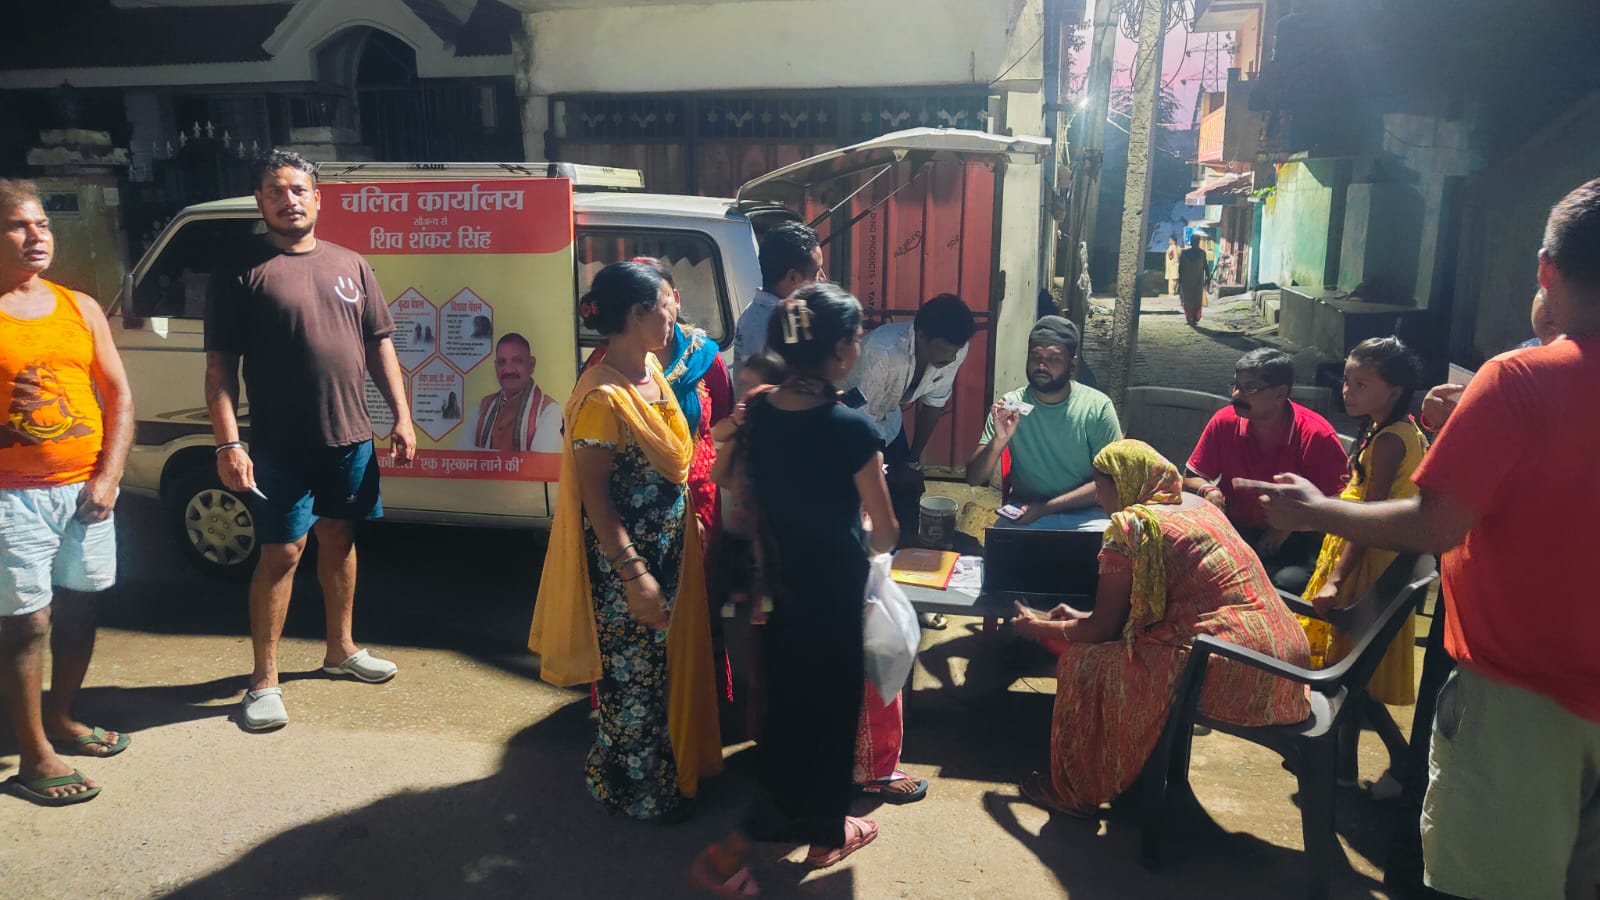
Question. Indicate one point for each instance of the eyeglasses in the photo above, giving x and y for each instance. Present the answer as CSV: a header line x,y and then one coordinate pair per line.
x,y
1247,391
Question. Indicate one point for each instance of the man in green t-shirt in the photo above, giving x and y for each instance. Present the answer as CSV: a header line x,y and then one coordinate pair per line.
x,y
1053,428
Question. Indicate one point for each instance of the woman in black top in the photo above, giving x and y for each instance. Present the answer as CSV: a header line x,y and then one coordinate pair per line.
x,y
809,466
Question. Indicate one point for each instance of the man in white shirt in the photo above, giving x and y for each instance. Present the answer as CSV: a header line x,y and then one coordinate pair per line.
x,y
910,364
791,258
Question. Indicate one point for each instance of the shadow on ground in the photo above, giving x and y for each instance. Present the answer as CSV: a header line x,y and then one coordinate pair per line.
x,y
530,829
978,730
468,590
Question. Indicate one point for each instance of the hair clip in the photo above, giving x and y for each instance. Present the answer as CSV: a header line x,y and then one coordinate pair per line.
x,y
796,322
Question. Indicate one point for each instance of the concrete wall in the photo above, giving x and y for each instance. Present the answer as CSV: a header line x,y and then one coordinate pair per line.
x,y
1294,230
1019,251
1421,153
773,44
1506,208
293,47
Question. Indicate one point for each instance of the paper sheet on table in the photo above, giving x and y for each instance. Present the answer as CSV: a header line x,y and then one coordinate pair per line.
x,y
968,576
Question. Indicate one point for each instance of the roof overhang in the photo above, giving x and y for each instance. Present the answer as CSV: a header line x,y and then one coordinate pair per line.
x,y
1224,189
1226,15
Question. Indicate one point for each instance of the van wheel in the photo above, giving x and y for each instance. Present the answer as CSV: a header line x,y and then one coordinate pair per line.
x,y
214,526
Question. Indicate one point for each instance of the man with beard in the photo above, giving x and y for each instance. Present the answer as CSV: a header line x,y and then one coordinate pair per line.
x,y
308,321
518,416
64,436
1262,434
1053,428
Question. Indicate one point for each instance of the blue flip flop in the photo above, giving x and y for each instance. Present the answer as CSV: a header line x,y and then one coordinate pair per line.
x,y
879,789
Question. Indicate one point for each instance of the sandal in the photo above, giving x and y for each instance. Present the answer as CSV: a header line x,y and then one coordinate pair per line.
x,y
79,746
704,876
33,789
1036,789
934,621
866,831
879,788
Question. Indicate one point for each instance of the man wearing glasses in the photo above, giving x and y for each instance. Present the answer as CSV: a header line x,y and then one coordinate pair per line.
x,y
1262,434
1052,430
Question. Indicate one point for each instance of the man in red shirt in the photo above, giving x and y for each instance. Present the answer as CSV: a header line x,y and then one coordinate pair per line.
x,y
1262,434
1513,803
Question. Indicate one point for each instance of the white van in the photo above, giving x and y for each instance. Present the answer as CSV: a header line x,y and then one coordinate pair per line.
x,y
710,243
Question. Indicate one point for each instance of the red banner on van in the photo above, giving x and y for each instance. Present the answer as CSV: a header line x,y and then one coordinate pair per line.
x,y
416,217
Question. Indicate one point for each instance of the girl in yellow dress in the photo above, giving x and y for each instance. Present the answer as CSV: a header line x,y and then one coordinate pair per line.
x,y
1380,379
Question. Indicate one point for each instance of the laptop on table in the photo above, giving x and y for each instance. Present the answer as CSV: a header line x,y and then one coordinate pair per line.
x,y
1039,567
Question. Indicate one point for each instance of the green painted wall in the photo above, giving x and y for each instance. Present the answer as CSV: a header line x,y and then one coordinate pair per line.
x,y
1294,229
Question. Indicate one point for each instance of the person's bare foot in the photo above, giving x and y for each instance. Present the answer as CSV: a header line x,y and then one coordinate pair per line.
x,y
54,766
69,730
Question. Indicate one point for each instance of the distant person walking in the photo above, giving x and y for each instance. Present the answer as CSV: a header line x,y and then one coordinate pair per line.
x,y
1173,253
1194,279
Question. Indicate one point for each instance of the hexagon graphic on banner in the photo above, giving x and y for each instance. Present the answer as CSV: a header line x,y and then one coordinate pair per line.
x,y
378,409
416,328
438,399
466,330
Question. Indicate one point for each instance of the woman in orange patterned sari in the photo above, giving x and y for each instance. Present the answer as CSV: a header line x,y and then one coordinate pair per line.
x,y
1171,568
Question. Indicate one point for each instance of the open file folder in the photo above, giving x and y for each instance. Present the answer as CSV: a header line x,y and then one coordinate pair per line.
x,y
924,568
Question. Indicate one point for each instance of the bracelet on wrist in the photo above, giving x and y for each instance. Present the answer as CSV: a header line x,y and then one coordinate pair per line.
x,y
619,554
229,445
642,573
630,560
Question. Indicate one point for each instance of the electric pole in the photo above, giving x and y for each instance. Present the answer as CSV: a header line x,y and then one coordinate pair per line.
x,y
1088,156
1136,199
1054,71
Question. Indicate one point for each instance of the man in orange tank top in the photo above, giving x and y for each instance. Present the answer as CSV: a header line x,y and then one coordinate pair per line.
x,y
66,432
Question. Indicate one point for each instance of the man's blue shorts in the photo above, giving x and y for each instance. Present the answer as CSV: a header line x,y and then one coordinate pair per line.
x,y
324,482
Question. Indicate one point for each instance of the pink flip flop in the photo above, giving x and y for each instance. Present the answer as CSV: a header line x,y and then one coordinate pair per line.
x,y
866,831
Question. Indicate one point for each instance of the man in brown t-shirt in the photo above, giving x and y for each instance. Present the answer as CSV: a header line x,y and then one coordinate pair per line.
x,y
308,320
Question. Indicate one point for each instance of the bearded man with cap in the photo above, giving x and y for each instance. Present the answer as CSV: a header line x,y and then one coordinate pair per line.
x,y
1052,428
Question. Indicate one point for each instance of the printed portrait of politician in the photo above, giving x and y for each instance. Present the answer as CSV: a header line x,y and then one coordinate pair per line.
x,y
519,416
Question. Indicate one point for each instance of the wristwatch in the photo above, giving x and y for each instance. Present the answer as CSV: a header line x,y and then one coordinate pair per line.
x,y
914,465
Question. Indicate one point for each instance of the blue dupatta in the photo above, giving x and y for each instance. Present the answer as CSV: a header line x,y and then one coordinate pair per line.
x,y
692,357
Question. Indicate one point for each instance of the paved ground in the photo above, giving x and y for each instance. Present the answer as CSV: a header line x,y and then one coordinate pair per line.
x,y
462,778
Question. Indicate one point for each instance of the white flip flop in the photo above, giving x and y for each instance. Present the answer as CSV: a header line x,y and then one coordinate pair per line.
x,y
263,710
366,667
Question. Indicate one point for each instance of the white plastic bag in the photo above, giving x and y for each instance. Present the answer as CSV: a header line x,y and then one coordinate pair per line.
x,y
891,631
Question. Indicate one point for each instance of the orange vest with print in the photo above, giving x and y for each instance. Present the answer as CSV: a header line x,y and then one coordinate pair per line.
x,y
51,433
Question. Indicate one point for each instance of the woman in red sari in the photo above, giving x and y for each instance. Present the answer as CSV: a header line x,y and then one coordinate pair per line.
x,y
1171,568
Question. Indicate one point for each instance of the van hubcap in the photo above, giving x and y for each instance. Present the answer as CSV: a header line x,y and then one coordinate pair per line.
x,y
220,527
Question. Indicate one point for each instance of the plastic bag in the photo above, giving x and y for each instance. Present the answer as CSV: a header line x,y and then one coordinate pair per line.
x,y
890,629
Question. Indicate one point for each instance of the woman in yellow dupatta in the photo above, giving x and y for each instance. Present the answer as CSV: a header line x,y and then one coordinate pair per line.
x,y
622,599
1171,568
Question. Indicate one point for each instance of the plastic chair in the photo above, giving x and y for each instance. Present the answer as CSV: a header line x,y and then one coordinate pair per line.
x,y
1312,747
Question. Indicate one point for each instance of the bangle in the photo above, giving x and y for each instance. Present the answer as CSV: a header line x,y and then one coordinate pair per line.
x,y
1207,488
625,548
229,445
636,577
632,559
